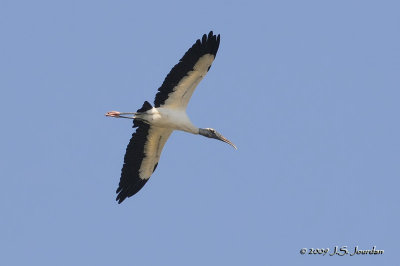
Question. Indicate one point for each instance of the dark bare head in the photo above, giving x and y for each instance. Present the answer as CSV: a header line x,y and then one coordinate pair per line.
x,y
212,133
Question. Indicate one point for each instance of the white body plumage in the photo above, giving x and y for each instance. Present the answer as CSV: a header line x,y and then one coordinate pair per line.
x,y
175,119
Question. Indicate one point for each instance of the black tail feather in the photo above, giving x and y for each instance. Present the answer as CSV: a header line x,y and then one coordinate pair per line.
x,y
146,106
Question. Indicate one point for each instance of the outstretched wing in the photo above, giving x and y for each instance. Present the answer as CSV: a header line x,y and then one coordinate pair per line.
x,y
178,86
141,158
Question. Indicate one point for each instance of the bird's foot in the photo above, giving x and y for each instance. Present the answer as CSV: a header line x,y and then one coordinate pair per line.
x,y
120,115
113,114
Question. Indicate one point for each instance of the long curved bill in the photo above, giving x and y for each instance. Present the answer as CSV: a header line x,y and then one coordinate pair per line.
x,y
222,138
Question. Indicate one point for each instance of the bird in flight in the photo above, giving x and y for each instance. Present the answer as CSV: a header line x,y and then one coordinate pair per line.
x,y
155,124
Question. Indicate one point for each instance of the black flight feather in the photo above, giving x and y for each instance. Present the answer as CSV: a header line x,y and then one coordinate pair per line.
x,y
208,45
130,182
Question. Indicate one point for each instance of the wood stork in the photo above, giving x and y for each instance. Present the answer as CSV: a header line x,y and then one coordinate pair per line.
x,y
155,124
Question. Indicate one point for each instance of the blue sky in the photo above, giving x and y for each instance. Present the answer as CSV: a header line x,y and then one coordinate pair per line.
x,y
307,90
